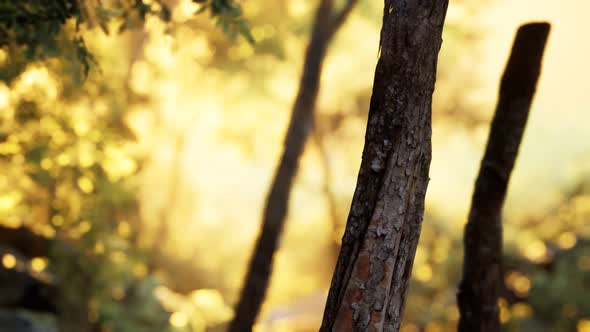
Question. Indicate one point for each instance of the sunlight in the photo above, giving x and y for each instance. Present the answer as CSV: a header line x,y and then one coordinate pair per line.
x,y
9,261
155,167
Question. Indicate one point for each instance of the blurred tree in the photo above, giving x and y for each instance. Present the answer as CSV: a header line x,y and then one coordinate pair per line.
x,y
71,166
373,271
545,288
70,157
327,21
480,288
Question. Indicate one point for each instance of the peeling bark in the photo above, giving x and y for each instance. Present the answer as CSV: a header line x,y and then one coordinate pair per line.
x,y
482,276
327,22
370,282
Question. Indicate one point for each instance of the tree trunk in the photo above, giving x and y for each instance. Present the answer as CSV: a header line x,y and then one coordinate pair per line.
x,y
482,276
327,22
370,282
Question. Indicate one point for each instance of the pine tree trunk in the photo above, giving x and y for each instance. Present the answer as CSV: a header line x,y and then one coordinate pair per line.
x,y
327,22
370,282
482,277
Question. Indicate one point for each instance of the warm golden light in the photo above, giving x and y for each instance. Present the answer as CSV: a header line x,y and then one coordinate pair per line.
x,y
118,257
99,248
48,231
567,240
519,282
433,327
4,95
409,328
521,310
206,118
39,264
85,184
504,314
10,200
124,229
211,303
9,261
423,272
140,270
536,251
584,325
178,319
57,220
84,227
3,57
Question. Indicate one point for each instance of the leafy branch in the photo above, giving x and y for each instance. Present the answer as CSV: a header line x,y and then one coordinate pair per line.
x,y
32,30
228,16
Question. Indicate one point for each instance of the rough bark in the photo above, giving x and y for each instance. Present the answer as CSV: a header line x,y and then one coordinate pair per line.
x,y
327,21
370,282
482,276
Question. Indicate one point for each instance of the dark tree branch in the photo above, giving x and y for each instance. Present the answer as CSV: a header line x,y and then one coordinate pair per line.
x,y
24,241
482,275
340,17
276,207
21,290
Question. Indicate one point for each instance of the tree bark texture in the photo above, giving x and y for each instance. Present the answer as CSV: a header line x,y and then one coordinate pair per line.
x,y
482,276
327,21
371,278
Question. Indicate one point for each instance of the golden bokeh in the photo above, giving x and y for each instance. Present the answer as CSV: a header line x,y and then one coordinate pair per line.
x,y
191,125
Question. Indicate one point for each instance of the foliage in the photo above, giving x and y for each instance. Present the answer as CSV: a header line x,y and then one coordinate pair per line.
x,y
68,154
35,29
546,272
68,163
227,15
558,295
559,272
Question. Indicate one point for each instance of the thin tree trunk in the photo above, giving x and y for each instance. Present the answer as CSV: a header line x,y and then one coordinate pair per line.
x,y
482,276
327,21
370,282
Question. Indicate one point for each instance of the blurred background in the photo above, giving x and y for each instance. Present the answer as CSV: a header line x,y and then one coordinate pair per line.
x,y
148,176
